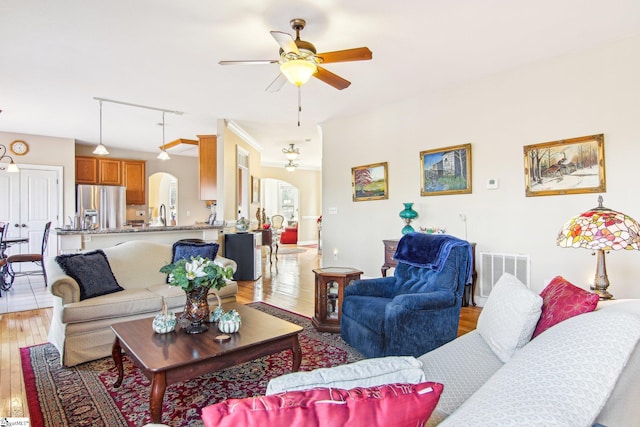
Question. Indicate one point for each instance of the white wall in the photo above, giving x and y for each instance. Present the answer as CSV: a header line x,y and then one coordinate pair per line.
x,y
50,151
585,93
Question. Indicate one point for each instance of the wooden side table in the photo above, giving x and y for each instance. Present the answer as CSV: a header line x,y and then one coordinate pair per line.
x,y
389,251
267,240
330,284
470,288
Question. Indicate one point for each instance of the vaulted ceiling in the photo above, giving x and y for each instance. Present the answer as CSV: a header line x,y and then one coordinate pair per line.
x,y
56,56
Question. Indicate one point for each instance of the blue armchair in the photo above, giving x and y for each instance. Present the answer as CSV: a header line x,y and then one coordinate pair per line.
x,y
416,310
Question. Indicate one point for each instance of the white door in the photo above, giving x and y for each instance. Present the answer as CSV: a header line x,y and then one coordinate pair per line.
x,y
9,199
29,200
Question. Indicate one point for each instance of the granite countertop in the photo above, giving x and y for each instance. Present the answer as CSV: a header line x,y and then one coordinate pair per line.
x,y
130,229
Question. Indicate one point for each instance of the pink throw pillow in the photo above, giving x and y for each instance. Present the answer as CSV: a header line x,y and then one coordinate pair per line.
x,y
396,405
561,301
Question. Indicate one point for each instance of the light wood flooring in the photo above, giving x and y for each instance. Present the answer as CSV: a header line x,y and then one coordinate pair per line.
x,y
288,284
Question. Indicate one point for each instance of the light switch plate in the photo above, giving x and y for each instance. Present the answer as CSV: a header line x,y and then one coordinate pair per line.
x,y
492,184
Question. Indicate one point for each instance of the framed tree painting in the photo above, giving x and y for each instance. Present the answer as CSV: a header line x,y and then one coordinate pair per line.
x,y
370,182
446,170
568,166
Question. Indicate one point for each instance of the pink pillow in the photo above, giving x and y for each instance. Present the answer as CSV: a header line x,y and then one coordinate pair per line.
x,y
562,300
398,405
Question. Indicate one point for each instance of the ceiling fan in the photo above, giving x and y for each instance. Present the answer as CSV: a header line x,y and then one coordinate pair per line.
x,y
299,60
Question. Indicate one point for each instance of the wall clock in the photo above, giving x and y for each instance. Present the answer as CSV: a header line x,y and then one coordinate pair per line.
x,y
19,147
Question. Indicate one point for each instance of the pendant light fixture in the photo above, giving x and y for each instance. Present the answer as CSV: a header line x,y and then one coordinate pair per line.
x,y
291,153
290,167
163,153
101,149
11,167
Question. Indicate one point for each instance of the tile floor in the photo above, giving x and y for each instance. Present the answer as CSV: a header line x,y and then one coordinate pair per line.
x,y
27,293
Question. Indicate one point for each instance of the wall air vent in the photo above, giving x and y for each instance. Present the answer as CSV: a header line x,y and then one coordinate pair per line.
x,y
493,266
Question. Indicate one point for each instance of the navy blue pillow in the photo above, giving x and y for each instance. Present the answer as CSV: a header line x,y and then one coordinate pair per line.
x,y
184,249
92,272
187,250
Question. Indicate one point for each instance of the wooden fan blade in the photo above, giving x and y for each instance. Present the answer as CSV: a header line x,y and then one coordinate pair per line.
x,y
332,79
286,42
250,62
356,54
277,84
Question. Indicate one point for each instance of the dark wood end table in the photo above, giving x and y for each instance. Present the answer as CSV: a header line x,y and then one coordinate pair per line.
x,y
329,290
177,356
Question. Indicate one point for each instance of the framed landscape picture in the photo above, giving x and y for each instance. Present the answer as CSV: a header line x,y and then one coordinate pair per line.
x,y
446,170
370,182
568,166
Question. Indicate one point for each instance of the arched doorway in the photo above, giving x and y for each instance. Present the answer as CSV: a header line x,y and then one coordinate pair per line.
x,y
163,190
280,197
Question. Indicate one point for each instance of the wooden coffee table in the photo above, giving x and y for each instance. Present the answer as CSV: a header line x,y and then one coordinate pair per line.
x,y
177,356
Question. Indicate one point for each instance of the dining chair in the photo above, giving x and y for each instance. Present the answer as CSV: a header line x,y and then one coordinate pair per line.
x,y
4,274
277,225
37,259
3,236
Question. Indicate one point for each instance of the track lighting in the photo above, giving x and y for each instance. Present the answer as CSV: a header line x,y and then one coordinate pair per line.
x,y
101,149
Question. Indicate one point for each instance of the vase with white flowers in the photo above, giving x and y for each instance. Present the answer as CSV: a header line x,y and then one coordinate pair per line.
x,y
196,277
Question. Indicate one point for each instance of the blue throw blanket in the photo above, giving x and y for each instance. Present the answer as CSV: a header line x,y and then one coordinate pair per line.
x,y
429,250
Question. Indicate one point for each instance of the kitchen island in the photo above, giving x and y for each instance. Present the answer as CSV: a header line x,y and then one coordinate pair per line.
x,y
70,241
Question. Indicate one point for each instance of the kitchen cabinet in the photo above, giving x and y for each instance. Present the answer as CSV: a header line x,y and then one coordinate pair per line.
x,y
208,166
95,170
135,180
109,171
86,170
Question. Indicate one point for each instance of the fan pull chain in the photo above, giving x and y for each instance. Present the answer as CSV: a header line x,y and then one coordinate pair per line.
x,y
299,104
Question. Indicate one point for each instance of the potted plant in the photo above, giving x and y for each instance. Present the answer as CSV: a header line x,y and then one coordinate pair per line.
x,y
196,277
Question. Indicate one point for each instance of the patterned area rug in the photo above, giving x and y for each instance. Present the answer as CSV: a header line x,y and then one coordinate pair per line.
x,y
83,396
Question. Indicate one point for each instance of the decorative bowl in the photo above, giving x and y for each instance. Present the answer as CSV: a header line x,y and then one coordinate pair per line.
x,y
164,323
229,326
215,314
229,322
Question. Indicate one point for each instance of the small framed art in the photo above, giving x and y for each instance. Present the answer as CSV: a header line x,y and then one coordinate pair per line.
x,y
568,166
446,170
370,182
255,189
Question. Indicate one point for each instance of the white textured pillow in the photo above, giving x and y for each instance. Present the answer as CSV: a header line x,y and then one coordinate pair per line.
x,y
364,373
509,316
553,380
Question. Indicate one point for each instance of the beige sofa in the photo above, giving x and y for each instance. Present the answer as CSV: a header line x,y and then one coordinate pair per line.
x,y
81,331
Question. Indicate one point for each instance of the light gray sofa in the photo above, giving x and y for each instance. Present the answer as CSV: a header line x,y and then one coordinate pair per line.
x,y
581,371
81,331
576,373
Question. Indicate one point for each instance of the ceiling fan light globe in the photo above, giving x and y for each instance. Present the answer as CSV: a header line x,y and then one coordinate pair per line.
x,y
164,155
298,71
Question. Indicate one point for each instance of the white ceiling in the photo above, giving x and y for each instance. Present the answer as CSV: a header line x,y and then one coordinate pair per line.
x,y
56,56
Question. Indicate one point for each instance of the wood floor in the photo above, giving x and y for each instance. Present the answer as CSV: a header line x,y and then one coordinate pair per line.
x,y
288,284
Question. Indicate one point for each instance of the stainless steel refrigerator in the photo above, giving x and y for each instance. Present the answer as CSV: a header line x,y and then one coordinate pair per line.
x,y
108,200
